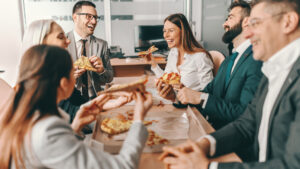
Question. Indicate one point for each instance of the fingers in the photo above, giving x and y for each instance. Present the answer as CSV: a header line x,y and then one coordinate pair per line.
x,y
194,146
172,150
170,160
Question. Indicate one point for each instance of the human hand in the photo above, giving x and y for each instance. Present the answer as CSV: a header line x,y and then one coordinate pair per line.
x,y
117,99
165,90
196,159
78,72
188,96
87,112
142,105
97,63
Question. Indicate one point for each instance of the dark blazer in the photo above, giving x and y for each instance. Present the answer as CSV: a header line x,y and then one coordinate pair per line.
x,y
283,150
226,103
97,47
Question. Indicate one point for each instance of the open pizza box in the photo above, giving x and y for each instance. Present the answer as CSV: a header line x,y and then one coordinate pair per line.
x,y
176,125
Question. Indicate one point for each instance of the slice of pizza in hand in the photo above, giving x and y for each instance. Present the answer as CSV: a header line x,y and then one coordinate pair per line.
x,y
139,84
84,63
171,78
148,53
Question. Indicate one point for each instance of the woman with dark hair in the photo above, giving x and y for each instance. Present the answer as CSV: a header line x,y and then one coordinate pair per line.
x,y
33,133
186,57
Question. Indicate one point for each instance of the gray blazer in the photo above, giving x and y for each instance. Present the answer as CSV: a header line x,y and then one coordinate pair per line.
x,y
53,145
283,150
98,47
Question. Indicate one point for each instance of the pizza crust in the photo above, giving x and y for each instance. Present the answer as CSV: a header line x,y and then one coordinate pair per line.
x,y
139,84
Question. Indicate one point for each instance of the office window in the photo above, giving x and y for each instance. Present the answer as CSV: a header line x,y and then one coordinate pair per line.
x,y
128,14
118,17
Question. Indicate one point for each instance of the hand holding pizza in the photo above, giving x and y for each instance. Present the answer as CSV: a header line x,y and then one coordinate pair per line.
x,y
88,111
143,104
97,63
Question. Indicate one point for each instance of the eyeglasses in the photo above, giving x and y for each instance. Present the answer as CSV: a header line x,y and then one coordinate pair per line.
x,y
90,16
255,22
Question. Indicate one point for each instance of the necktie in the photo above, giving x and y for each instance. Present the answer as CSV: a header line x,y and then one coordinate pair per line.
x,y
84,90
229,67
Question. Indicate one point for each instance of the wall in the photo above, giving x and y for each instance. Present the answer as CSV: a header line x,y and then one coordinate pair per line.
x,y
10,39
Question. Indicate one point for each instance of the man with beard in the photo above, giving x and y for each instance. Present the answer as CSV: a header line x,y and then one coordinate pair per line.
x,y
226,97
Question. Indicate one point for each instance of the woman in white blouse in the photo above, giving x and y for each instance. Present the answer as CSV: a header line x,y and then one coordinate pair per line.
x,y
186,57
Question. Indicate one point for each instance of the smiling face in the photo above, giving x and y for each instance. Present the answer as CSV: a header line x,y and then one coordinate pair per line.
x,y
265,32
83,26
56,37
172,34
233,25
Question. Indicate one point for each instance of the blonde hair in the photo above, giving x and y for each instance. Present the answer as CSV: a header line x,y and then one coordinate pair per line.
x,y
35,33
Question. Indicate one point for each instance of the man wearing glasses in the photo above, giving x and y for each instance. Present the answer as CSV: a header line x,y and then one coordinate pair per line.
x,y
272,121
83,43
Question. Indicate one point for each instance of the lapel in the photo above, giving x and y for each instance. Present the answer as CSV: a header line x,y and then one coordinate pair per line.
x,y
72,46
293,76
247,52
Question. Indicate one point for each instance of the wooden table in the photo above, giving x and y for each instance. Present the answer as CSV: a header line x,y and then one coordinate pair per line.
x,y
132,66
198,126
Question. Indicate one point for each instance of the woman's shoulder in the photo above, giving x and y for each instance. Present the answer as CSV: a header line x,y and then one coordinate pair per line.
x,y
48,127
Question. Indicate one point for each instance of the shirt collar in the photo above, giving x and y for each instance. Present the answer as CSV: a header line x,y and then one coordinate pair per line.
x,y
283,59
78,37
242,47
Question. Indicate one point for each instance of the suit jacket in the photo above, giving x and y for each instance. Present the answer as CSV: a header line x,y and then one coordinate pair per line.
x,y
226,103
283,150
52,144
97,47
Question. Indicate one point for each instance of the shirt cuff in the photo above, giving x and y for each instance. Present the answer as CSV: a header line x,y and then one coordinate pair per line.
x,y
204,97
213,165
212,141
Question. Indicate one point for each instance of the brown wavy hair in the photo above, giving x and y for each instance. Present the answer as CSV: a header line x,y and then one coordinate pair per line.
x,y
41,69
189,42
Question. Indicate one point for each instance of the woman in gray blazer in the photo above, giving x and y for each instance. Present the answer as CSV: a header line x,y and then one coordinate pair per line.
x,y
33,133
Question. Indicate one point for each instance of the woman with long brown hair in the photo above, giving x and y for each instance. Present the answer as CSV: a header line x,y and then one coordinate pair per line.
x,y
33,133
186,57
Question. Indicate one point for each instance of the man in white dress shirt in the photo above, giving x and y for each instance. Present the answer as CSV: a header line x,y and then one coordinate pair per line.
x,y
272,121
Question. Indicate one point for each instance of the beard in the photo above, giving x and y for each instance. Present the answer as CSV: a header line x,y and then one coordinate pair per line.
x,y
232,33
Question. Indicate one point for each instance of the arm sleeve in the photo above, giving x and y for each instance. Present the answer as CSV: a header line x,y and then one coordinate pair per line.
x,y
55,146
227,110
290,154
204,71
107,75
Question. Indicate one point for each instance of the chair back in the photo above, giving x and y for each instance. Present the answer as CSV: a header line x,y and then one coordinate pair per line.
x,y
218,58
6,92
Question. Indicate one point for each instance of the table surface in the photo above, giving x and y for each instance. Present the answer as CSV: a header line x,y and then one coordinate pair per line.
x,y
133,61
198,126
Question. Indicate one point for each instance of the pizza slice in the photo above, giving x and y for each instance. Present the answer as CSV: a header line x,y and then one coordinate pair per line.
x,y
119,125
148,53
84,63
139,84
171,78
155,139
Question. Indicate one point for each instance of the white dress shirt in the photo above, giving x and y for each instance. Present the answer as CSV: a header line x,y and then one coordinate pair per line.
x,y
276,69
78,43
240,49
195,71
